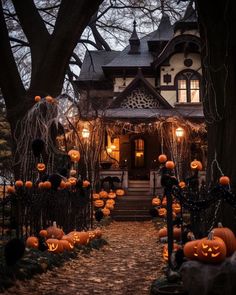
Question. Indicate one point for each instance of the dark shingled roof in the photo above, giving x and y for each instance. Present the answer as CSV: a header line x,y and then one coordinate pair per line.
x,y
164,31
93,62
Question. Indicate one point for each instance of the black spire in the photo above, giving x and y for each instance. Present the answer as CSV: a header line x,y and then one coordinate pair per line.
x,y
189,21
134,41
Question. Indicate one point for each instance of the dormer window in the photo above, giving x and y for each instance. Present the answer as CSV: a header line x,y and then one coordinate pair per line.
x,y
188,87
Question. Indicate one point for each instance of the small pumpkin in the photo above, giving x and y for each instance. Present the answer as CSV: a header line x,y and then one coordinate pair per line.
x,y
110,202
40,185
196,165
41,167
74,155
162,212
170,165
190,249
19,183
47,185
73,172
227,236
106,211
211,249
62,184
98,233
120,192
66,245
37,98
103,194
162,158
112,195
43,233
224,180
28,184
165,250
11,189
68,184
32,242
109,206
73,181
162,232
54,246
156,201
182,184
96,196
98,203
86,183
49,99
176,208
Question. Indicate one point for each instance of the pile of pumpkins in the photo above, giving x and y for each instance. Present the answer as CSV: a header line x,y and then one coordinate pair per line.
x,y
219,244
160,206
106,201
58,242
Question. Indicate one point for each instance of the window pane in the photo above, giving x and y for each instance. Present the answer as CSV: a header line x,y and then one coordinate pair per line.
x,y
194,84
195,97
182,95
182,84
139,153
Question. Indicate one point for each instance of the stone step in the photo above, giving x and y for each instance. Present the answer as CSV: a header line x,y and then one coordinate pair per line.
x,y
139,184
131,212
135,193
139,189
132,218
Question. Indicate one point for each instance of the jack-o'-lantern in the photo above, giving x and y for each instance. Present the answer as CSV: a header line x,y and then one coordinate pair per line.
x,y
72,181
103,194
28,184
162,158
98,233
80,238
211,249
170,165
106,211
86,183
164,201
62,185
92,235
70,240
41,167
165,250
19,183
196,165
75,236
182,184
120,192
190,249
11,189
112,195
227,236
162,212
156,201
96,196
47,185
54,246
66,245
74,155
37,98
43,233
32,242
73,172
224,180
110,202
40,185
98,203
68,184
109,206
176,208
55,232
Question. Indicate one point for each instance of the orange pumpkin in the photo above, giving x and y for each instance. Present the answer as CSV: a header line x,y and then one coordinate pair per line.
x,y
165,250
162,232
28,184
164,201
74,155
176,208
47,185
54,246
19,183
80,238
96,196
182,184
72,181
110,202
176,233
32,242
55,232
156,201
190,249
106,211
11,189
98,203
43,233
196,165
68,184
41,185
49,99
211,249
170,165
41,167
227,236
162,212
86,183
75,237
112,195
62,184
224,180
103,194
66,245
73,172
37,98
109,206
98,233
162,158
120,192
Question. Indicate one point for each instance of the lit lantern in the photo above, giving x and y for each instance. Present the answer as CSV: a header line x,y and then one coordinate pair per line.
x,y
85,133
196,165
165,250
179,132
54,246
41,167
74,155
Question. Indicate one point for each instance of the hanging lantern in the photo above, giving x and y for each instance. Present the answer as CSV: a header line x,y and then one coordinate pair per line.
x,y
74,155
85,133
41,167
179,132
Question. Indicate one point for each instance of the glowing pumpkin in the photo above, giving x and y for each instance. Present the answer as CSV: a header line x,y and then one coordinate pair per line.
x,y
11,189
73,181
196,165
54,246
227,236
190,249
43,233
96,196
32,242
103,194
74,155
98,203
170,165
75,236
110,202
19,183
211,249
182,184
162,158
41,167
106,211
224,180
109,206
111,195
162,212
28,184
176,208
156,201
120,192
165,254
86,183
66,245
37,98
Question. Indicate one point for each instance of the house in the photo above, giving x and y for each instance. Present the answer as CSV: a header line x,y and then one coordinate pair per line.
x,y
150,97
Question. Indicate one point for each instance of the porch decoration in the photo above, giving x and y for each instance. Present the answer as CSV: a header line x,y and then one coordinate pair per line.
x,y
19,183
162,158
28,184
120,192
32,242
224,180
227,236
196,165
190,249
156,201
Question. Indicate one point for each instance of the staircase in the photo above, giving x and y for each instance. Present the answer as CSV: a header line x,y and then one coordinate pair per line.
x,y
136,203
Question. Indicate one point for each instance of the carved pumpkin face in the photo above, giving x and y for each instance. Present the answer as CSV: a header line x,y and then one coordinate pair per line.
x,y
41,167
165,250
156,201
96,196
28,184
112,195
32,242
120,192
54,246
75,236
80,238
196,165
162,212
98,203
66,245
182,184
162,158
103,194
190,249
74,155
211,249
72,181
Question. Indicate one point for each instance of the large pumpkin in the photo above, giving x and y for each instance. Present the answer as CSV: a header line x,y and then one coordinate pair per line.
x,y
98,203
182,184
72,181
55,232
54,246
211,249
32,242
80,238
227,236
190,249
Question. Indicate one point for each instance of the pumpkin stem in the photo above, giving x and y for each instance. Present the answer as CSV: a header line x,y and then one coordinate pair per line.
x,y
220,224
211,235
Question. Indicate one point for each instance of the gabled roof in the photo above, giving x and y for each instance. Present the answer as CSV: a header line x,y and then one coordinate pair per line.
x,y
91,69
138,81
189,21
164,31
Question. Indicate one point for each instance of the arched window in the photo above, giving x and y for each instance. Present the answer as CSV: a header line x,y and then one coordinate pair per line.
x,y
188,87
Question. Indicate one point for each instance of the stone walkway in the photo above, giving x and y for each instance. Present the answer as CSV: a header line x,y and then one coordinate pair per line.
x,y
127,265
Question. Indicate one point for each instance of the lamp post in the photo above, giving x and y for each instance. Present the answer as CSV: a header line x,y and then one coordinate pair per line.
x,y
179,132
85,135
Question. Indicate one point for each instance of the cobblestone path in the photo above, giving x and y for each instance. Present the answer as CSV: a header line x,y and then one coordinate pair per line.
x,y
127,265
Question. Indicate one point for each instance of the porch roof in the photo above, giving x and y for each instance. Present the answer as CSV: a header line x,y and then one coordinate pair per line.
x,y
121,113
